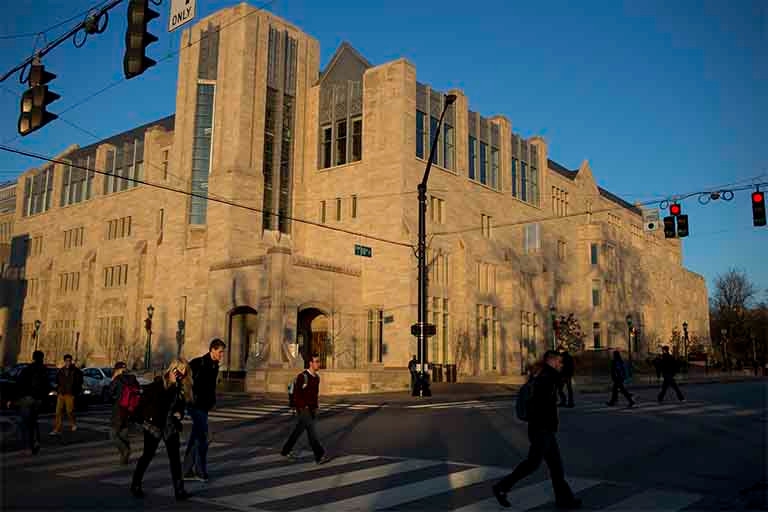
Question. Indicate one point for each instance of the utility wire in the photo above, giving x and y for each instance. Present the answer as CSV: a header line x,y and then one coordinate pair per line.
x,y
57,25
207,198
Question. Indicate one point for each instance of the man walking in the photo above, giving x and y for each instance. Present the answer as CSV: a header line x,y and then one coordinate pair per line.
x,y
668,367
69,382
33,387
305,396
618,376
566,378
122,382
412,365
205,374
542,426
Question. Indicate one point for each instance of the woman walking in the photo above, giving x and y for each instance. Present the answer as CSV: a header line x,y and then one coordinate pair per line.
x,y
618,375
162,407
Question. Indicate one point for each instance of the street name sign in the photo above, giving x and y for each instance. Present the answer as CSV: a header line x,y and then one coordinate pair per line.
x,y
362,250
182,12
429,329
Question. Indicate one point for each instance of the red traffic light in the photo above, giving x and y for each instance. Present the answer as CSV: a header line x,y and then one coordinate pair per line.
x,y
675,209
757,197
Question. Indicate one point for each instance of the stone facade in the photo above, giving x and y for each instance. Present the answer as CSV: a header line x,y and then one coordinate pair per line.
x,y
333,158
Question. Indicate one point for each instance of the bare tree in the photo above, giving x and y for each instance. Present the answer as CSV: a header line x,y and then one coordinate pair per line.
x,y
730,312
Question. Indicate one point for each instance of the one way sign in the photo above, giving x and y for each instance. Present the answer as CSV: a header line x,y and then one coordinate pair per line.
x,y
182,11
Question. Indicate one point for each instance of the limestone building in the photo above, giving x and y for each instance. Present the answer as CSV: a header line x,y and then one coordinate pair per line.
x,y
305,172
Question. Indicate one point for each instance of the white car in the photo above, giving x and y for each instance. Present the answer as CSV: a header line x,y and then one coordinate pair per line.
x,y
99,379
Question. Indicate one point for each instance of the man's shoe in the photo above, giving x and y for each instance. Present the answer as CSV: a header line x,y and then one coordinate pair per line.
x,y
190,476
569,505
290,455
203,477
323,460
136,491
54,433
500,496
181,495
631,405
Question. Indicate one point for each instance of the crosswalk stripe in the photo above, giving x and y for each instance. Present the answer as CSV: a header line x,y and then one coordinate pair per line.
x,y
695,410
394,496
290,469
229,415
59,453
657,500
85,461
440,404
530,496
115,468
318,484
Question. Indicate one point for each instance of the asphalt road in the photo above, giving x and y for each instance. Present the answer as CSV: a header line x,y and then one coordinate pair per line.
x,y
437,454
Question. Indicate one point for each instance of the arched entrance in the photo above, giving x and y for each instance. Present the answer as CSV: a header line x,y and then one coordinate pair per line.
x,y
241,337
313,337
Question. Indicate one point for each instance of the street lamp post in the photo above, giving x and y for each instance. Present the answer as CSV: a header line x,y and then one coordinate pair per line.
x,y
179,338
148,327
724,334
36,334
420,329
553,322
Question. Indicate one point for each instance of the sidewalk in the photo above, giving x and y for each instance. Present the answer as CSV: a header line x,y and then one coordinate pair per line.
x,y
445,392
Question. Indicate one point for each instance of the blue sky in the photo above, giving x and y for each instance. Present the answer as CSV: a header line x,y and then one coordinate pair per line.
x,y
661,97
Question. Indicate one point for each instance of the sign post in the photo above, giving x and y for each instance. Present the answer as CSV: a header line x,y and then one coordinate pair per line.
x,y
182,12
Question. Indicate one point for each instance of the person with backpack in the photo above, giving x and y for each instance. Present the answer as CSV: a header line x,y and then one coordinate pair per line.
x,y
162,409
126,395
32,388
304,393
618,376
668,367
205,374
537,404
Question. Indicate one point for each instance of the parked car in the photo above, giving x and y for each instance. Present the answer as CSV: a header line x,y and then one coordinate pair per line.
x,y
98,380
8,383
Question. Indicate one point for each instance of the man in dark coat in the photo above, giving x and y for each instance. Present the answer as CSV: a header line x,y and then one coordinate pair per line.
x,y
32,388
668,366
566,377
205,373
618,376
543,423
412,367
305,395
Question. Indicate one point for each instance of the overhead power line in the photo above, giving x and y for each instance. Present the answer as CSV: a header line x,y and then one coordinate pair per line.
x,y
207,198
52,27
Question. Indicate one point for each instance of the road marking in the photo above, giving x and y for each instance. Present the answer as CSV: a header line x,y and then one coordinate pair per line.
x,y
442,404
656,500
319,484
530,496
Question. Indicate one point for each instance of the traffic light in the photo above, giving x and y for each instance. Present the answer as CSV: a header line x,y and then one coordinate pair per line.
x,y
135,61
669,227
682,226
35,100
675,209
758,208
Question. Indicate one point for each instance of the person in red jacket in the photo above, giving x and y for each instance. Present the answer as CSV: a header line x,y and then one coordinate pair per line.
x,y
305,393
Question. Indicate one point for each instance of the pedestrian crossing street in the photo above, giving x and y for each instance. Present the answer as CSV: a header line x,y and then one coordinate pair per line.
x,y
259,479
98,419
670,407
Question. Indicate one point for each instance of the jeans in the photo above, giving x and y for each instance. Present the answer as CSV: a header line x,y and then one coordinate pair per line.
x,y
30,430
669,382
618,386
150,448
543,447
305,421
119,436
196,455
563,383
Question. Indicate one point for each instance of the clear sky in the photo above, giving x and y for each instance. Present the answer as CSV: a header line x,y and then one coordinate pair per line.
x,y
661,97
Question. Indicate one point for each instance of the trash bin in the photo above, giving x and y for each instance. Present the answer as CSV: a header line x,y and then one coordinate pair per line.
x,y
437,373
450,373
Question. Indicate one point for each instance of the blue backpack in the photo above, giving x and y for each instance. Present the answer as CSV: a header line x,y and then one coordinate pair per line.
x,y
523,400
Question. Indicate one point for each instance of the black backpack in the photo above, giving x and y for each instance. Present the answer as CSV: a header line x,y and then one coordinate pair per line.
x,y
292,388
523,400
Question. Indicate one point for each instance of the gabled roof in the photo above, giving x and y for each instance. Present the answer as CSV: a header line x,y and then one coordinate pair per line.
x,y
343,47
166,122
571,175
621,202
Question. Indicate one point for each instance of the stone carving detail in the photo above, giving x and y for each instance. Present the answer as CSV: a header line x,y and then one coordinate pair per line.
x,y
248,262
301,261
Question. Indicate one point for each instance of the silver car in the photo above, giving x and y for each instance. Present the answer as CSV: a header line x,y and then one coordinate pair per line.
x,y
99,379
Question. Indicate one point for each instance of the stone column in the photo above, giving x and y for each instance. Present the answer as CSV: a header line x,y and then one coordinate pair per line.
x,y
277,265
